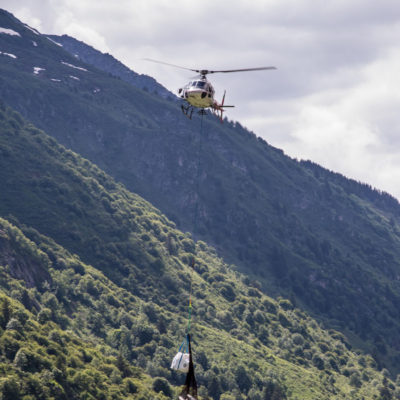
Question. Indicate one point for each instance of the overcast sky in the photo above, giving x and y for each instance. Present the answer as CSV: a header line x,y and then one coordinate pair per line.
x,y
334,99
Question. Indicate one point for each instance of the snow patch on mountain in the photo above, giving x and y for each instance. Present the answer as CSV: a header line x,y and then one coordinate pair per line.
x,y
9,32
51,40
8,54
32,29
74,66
37,70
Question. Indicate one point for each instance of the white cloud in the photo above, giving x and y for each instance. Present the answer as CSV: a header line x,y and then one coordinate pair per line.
x,y
354,130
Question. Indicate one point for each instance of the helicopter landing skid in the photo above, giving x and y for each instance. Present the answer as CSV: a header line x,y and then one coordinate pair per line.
x,y
187,110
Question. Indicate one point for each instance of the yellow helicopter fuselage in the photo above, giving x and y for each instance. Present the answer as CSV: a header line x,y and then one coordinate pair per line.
x,y
198,93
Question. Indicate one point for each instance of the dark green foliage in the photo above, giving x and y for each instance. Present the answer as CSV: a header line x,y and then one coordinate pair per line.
x,y
201,359
227,291
11,389
213,386
273,390
242,378
355,379
131,386
123,366
162,385
143,334
5,312
318,361
384,391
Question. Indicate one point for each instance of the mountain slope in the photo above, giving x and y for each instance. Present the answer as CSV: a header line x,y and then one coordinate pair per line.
x,y
134,312
106,62
330,244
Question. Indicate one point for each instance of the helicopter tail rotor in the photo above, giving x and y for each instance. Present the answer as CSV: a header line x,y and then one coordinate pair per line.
x,y
220,108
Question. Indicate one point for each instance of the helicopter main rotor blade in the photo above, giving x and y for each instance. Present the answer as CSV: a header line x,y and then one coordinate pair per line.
x,y
171,65
240,70
204,72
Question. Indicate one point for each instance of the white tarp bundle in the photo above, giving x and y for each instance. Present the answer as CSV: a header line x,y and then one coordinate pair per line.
x,y
181,362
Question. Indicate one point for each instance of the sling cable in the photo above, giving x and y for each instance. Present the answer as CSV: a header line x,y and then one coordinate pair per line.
x,y
183,360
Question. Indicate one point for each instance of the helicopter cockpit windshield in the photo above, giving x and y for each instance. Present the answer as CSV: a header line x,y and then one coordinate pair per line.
x,y
199,84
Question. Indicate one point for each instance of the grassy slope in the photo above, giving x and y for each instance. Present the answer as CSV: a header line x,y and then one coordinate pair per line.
x,y
146,261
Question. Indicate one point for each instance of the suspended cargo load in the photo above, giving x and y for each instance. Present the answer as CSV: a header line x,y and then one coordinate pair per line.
x,y
181,362
189,391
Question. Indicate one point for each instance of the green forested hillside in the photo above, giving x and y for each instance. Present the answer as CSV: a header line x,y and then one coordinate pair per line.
x,y
110,330
329,244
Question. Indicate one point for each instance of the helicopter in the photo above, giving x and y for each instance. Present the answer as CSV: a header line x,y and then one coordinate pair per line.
x,y
199,93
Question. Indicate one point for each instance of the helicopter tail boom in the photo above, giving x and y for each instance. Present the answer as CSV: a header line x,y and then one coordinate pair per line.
x,y
219,109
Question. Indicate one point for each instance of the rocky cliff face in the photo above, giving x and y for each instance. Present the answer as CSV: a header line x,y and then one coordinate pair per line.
x,y
29,267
